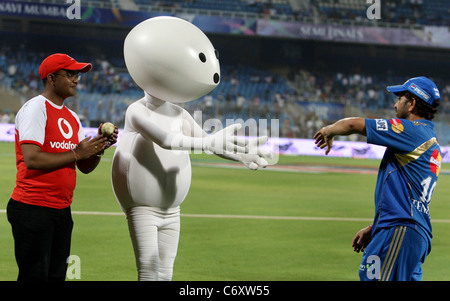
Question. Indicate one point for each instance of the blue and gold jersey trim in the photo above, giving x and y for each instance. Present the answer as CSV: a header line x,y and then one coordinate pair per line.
x,y
404,159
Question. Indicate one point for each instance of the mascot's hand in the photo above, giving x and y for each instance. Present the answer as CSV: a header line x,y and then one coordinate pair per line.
x,y
255,157
224,141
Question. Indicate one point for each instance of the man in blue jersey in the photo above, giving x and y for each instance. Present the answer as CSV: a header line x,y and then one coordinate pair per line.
x,y
396,244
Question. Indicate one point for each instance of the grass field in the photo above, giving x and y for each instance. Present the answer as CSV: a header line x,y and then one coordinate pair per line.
x,y
238,224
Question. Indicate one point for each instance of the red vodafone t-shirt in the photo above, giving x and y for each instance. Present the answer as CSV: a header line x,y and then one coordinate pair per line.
x,y
55,129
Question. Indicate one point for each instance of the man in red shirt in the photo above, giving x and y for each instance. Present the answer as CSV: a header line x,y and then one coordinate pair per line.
x,y
50,142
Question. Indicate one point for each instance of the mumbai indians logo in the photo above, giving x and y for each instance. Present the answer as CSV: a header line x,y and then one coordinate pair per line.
x,y
435,162
396,125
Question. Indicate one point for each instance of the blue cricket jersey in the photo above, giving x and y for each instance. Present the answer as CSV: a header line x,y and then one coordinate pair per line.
x,y
407,175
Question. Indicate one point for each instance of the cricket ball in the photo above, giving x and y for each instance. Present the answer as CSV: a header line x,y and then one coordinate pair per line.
x,y
107,129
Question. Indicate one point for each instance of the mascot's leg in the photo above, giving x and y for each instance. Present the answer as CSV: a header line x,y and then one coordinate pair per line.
x,y
142,224
169,234
155,238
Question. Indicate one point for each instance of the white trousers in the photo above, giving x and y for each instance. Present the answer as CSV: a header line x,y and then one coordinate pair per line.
x,y
155,234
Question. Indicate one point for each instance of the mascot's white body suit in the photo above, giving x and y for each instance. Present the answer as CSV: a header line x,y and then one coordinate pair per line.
x,y
173,62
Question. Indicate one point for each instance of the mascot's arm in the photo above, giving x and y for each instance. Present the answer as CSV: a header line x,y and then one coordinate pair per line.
x,y
218,143
142,122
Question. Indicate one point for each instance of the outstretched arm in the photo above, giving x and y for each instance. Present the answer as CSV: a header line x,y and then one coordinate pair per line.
x,y
347,126
162,125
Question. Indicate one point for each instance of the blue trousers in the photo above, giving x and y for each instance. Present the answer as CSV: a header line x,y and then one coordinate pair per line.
x,y
394,254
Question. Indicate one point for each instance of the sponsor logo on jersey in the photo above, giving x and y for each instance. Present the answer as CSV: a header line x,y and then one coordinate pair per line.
x,y
381,125
62,145
65,130
435,162
396,125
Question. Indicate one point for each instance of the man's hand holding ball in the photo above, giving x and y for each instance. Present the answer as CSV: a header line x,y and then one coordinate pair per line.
x,y
109,131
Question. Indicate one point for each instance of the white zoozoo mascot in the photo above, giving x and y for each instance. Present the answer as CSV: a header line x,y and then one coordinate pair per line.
x,y
173,62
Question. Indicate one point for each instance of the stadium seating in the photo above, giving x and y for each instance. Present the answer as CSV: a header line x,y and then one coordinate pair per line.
x,y
105,93
429,12
281,7
407,12
265,92
393,12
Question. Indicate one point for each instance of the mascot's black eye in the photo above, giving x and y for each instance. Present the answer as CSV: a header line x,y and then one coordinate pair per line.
x,y
216,52
202,57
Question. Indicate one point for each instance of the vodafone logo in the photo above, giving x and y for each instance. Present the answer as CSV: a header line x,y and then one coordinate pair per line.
x,y
435,162
65,130
62,145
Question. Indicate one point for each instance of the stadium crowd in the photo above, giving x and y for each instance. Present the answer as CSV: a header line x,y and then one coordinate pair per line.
x,y
392,12
403,12
244,92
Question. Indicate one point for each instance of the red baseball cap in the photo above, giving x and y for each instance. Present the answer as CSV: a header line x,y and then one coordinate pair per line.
x,y
60,61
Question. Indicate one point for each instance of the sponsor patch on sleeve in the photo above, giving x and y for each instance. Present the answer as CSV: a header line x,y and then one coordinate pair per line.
x,y
381,125
397,125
